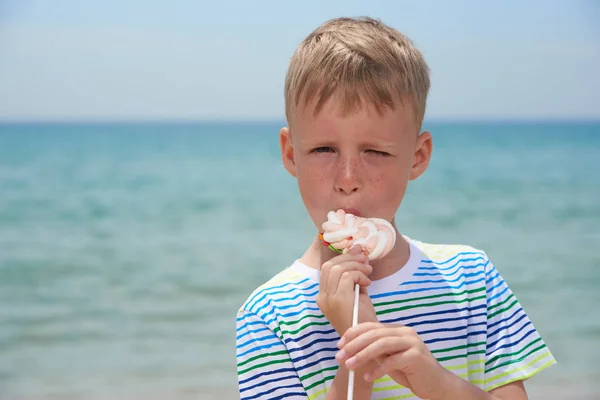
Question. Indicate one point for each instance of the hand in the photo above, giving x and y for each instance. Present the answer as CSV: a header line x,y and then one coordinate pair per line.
x,y
393,350
336,289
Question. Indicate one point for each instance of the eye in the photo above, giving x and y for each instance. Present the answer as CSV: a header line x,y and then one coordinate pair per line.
x,y
322,150
379,153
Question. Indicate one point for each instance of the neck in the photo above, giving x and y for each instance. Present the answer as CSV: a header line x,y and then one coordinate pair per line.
x,y
317,254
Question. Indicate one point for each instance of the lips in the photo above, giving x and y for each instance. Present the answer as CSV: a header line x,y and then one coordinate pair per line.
x,y
350,210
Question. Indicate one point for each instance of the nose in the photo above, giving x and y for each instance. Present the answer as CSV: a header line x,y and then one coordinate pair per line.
x,y
348,180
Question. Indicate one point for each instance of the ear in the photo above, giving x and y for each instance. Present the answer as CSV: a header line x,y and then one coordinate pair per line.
x,y
287,151
422,155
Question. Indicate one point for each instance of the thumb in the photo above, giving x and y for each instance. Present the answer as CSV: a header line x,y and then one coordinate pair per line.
x,y
356,249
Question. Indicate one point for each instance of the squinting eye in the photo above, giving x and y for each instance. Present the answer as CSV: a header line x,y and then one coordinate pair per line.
x,y
322,150
380,153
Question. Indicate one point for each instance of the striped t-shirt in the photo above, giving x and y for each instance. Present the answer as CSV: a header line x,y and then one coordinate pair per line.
x,y
451,295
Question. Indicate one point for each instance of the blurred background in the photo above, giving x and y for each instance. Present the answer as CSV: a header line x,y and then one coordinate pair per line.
x,y
142,197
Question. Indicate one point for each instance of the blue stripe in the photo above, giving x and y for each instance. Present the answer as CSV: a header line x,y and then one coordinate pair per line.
x,y
249,323
509,334
294,289
273,319
312,364
314,353
326,332
435,321
271,372
378,296
249,332
458,278
458,263
269,381
290,299
287,396
260,339
296,385
487,281
294,313
322,340
489,300
459,268
458,328
455,338
490,290
490,335
257,348
518,310
265,289
466,253
449,311
511,344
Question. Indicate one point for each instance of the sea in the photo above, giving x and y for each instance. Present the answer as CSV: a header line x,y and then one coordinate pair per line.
x,y
127,248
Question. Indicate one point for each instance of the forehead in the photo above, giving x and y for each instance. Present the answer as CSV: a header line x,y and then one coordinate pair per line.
x,y
365,119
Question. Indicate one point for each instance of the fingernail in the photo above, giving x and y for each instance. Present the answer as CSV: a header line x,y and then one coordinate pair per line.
x,y
340,355
351,361
341,343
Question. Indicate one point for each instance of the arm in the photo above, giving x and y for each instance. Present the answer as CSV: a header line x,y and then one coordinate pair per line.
x,y
339,386
459,389
264,367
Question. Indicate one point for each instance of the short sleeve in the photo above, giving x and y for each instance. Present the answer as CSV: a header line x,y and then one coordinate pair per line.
x,y
264,367
514,349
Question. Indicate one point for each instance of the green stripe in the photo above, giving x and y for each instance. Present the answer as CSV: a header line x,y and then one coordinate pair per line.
x,y
298,320
524,377
277,353
318,372
493,359
506,300
490,316
457,347
437,303
264,365
304,327
470,353
327,378
521,368
543,346
435,296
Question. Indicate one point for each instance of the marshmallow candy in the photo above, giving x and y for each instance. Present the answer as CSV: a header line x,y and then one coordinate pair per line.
x,y
342,231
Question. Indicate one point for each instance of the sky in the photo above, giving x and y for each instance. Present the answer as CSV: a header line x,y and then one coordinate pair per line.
x,y
226,60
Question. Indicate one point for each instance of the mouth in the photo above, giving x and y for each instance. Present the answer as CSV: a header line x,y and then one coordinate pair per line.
x,y
352,211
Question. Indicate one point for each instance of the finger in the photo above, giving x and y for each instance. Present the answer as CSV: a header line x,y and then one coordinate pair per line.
x,y
394,363
360,342
384,346
349,279
360,329
336,272
328,265
355,250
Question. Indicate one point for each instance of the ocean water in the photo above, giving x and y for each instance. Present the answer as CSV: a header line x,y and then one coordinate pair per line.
x,y
126,249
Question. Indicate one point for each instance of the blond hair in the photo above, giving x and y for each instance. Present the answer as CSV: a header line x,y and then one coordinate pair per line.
x,y
357,59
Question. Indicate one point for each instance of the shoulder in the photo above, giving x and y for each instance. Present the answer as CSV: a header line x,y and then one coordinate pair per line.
x,y
449,255
284,287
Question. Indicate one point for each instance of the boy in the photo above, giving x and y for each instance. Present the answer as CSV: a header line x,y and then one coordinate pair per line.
x,y
435,321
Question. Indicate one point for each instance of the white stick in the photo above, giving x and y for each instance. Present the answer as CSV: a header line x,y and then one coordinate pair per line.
x,y
354,322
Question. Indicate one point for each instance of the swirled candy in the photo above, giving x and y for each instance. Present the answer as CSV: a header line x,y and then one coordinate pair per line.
x,y
342,231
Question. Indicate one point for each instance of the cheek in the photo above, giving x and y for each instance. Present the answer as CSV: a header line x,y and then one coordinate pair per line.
x,y
311,181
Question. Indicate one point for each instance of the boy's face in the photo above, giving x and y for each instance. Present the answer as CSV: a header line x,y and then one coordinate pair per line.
x,y
361,162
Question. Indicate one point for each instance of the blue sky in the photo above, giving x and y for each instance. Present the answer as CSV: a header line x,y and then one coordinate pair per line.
x,y
136,60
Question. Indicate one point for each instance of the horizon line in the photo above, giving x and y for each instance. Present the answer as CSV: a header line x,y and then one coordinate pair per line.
x,y
221,121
